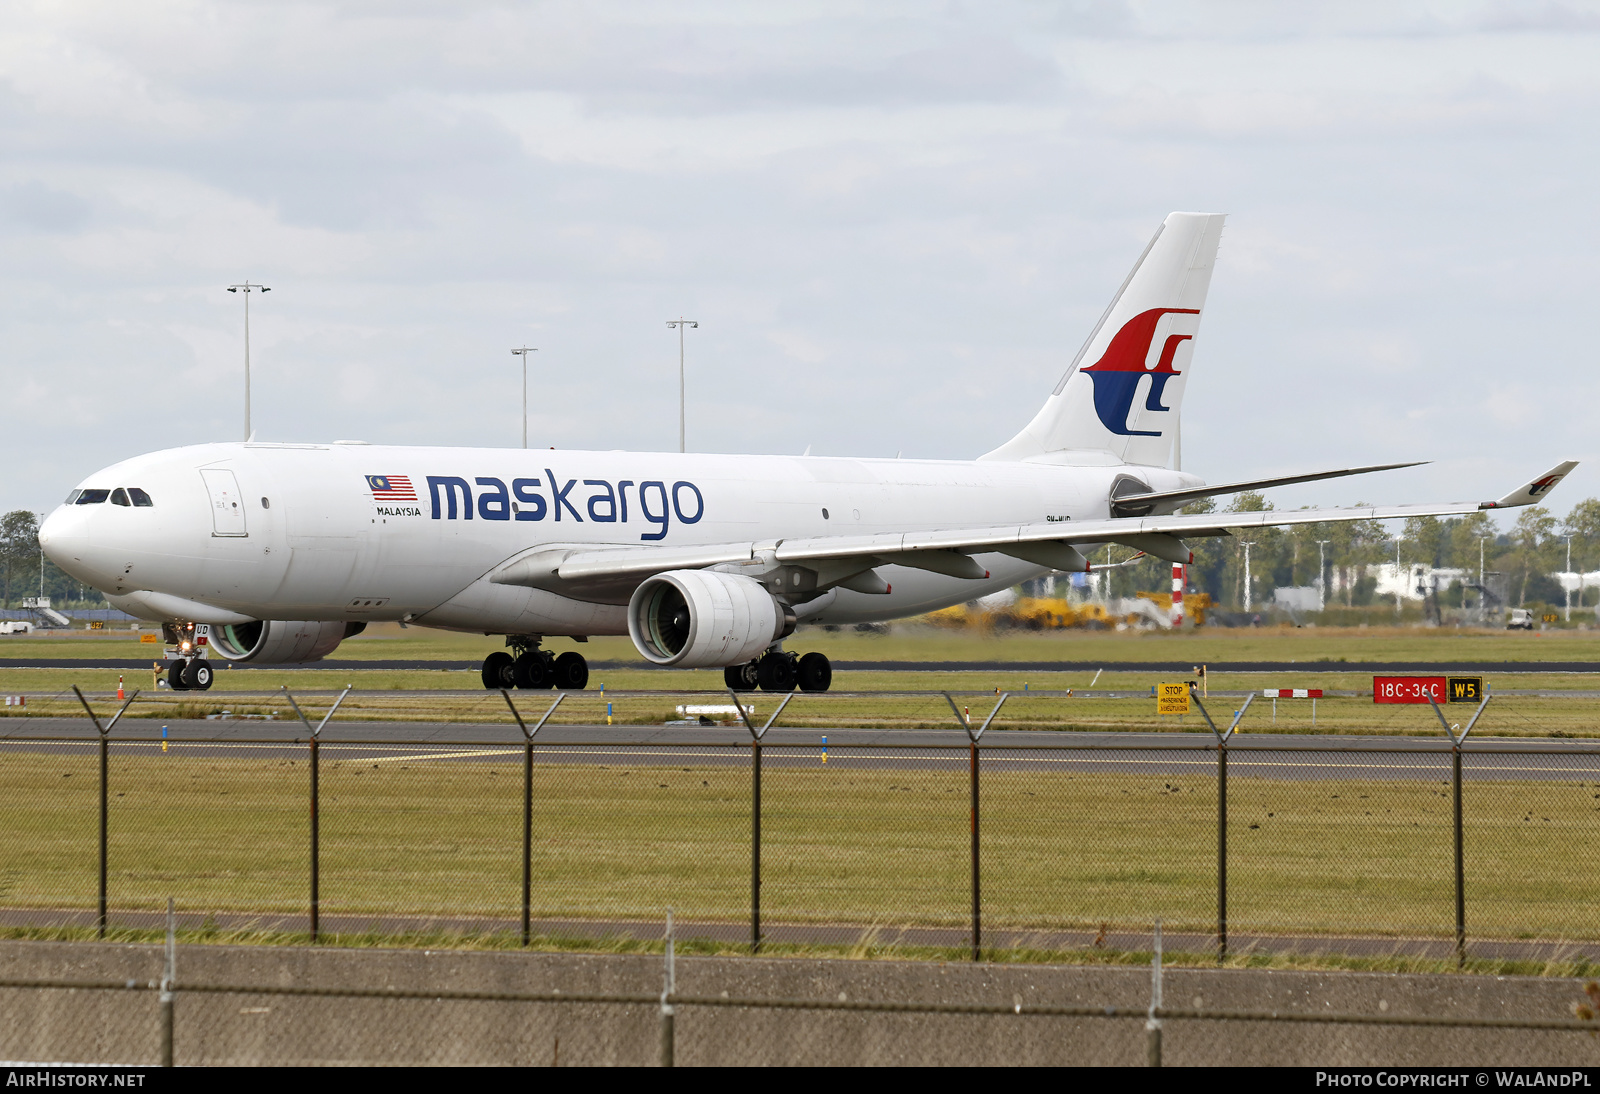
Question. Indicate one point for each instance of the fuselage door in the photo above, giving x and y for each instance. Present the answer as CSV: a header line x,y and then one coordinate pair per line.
x,y
227,506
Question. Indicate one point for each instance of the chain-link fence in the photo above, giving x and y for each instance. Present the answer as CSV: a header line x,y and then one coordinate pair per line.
x,y
85,1022
964,843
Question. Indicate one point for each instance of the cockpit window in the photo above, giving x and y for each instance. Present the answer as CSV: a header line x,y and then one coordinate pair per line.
x,y
119,496
72,497
92,497
140,498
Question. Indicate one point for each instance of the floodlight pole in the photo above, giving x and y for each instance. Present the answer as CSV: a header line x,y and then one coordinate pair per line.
x,y
247,287
1247,544
1567,584
1397,585
680,323
1483,600
523,353
1322,574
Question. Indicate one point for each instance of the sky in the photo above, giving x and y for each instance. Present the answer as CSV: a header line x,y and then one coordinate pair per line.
x,y
895,223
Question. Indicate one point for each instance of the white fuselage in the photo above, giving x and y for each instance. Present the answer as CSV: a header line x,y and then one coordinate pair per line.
x,y
305,531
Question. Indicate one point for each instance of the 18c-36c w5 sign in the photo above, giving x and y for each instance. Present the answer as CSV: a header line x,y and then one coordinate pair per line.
x,y
1418,689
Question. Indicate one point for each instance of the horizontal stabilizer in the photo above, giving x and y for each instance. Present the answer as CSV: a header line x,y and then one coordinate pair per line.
x,y
1137,505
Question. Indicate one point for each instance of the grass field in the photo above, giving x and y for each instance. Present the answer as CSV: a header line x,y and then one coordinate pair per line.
x,y
842,844
388,641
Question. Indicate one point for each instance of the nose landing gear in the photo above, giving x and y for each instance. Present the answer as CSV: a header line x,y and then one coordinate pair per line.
x,y
530,668
777,670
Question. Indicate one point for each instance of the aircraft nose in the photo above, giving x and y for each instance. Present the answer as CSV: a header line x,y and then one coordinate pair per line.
x,y
65,539
50,533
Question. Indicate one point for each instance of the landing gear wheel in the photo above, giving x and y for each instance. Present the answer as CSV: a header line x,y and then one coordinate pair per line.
x,y
531,671
197,676
777,672
740,677
572,672
175,676
816,674
497,671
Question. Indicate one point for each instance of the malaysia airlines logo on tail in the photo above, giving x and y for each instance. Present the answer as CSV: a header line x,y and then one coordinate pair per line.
x,y
1116,375
391,488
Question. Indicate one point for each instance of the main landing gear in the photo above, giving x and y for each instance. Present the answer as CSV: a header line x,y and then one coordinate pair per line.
x,y
532,669
191,675
776,670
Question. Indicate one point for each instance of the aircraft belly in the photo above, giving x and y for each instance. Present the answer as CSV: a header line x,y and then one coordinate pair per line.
x,y
317,581
512,609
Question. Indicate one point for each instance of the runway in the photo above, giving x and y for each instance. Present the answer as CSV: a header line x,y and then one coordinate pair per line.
x,y
1258,755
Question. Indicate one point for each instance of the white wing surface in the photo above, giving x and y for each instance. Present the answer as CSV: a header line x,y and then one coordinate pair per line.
x,y
948,551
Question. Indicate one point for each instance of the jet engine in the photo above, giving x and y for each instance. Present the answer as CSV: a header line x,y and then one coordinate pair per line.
x,y
692,619
280,642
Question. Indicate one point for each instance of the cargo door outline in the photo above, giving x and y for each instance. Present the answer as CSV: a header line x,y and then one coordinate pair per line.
x,y
227,506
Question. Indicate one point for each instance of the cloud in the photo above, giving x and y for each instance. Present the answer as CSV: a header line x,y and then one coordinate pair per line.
x,y
896,224
37,207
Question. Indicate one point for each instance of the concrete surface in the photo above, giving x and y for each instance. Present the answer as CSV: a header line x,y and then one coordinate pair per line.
x,y
122,1026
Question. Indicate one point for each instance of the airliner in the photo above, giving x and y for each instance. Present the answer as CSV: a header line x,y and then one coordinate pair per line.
x,y
273,553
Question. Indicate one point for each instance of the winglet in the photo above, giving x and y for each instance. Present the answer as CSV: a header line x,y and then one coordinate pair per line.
x,y
1534,491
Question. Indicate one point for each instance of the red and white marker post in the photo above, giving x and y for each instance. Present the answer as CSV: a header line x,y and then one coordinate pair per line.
x,y
1177,595
1292,693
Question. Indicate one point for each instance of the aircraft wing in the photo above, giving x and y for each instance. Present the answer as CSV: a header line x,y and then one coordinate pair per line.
x,y
611,570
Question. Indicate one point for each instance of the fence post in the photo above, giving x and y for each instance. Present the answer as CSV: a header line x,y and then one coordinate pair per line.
x,y
100,918
1461,878
1456,741
1222,851
1152,1024
527,804
755,810
316,844
977,936
527,838
755,845
105,734
169,977
1222,815
668,1011
972,754
316,797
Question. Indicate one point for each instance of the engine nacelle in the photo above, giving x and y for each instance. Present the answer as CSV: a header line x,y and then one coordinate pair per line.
x,y
692,619
280,642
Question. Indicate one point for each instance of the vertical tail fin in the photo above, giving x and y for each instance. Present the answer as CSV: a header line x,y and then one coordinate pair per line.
x,y
1124,390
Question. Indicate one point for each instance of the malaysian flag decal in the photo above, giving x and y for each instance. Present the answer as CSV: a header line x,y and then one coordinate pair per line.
x,y
391,488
